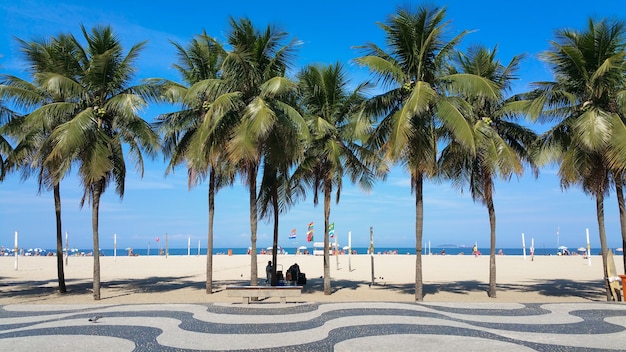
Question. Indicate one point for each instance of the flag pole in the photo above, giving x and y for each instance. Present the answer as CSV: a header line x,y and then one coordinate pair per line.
x,y
524,246
67,249
372,252
349,250
336,247
16,251
114,247
588,248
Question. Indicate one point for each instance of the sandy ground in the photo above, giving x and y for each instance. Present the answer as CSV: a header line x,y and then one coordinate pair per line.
x,y
182,279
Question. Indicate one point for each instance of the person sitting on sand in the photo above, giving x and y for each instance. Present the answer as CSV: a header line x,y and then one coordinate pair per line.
x,y
294,273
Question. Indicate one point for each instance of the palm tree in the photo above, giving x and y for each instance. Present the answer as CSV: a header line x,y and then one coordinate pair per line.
x,y
621,206
192,135
413,69
338,127
587,101
278,190
104,119
50,61
254,72
501,145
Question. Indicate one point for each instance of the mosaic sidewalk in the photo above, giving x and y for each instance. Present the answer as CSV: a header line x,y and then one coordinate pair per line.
x,y
266,326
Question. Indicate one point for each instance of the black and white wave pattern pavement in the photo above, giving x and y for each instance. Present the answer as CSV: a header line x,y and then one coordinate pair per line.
x,y
315,327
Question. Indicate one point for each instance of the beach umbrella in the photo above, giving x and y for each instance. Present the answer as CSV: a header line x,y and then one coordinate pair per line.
x,y
562,247
620,249
302,247
582,249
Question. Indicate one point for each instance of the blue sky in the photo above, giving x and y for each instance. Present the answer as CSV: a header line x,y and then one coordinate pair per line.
x,y
328,29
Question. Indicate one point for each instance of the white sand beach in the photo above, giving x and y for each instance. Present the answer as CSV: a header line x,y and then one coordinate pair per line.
x,y
181,279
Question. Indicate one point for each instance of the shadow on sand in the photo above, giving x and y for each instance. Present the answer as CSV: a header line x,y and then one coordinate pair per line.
x,y
41,290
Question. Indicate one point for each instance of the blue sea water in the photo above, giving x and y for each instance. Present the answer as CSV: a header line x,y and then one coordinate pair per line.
x,y
361,250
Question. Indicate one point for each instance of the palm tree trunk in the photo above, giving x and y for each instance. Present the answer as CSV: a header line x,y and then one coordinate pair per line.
x,y
95,209
419,228
603,247
209,252
275,241
57,211
619,190
492,228
327,193
253,224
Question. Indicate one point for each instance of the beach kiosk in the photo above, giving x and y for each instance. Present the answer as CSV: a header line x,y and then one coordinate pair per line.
x,y
318,248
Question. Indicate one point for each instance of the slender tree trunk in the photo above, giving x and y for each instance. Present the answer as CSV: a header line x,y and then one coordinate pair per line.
x,y
253,225
209,252
619,190
327,194
57,211
275,241
419,228
95,210
603,247
492,228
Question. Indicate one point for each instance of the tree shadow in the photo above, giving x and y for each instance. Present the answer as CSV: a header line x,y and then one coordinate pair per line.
x,y
591,290
42,290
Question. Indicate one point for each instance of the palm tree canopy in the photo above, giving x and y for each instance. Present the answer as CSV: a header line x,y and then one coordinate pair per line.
x,y
586,99
414,67
105,112
338,128
502,146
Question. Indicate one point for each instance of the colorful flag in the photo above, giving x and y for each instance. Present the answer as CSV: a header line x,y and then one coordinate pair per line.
x,y
309,233
292,235
331,230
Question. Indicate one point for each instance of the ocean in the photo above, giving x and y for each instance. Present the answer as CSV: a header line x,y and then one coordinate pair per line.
x,y
357,250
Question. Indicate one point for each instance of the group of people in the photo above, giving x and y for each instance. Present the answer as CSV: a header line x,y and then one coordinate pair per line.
x,y
293,275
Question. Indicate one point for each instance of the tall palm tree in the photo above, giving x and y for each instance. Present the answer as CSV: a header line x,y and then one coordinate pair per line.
x,y
191,135
501,145
104,119
254,72
586,99
621,206
338,127
50,61
278,191
413,70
